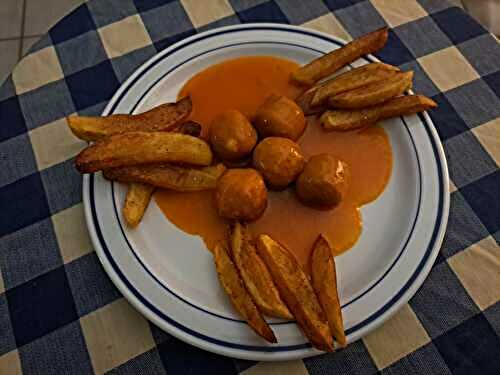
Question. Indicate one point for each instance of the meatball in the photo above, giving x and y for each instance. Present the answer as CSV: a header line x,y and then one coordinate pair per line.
x,y
280,117
323,182
241,194
280,161
232,136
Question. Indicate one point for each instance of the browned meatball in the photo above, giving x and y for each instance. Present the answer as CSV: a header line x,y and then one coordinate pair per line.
x,y
280,161
323,182
232,136
241,195
280,117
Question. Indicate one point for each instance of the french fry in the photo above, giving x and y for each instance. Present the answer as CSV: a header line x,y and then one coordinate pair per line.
x,y
304,101
296,291
255,275
353,79
141,148
328,64
136,202
240,298
189,128
165,117
168,176
344,119
374,93
324,281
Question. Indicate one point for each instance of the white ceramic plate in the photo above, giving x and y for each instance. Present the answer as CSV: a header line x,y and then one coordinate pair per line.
x,y
169,276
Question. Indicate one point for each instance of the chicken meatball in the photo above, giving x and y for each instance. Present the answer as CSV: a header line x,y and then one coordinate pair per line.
x,y
232,136
241,195
323,182
280,117
280,161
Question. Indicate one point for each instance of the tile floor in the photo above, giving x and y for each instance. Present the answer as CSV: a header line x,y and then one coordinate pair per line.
x,y
22,22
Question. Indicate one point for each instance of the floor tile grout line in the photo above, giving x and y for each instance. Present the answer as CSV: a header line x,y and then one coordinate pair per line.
x,y
23,21
7,39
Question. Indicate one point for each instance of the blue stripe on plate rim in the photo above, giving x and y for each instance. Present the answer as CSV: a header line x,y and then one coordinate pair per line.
x,y
437,225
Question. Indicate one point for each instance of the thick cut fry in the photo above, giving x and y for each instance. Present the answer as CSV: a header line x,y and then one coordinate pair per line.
x,y
324,280
328,64
168,176
165,117
189,128
296,291
142,148
353,79
139,195
136,202
234,288
255,275
374,93
354,119
304,101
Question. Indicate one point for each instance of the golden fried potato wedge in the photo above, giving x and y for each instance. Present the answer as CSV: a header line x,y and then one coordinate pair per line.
x,y
304,101
343,119
234,288
168,176
255,275
374,93
189,128
353,79
328,64
141,148
324,281
139,195
161,118
296,291
136,202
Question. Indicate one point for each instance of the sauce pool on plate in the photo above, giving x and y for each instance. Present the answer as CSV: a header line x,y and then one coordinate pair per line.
x,y
244,84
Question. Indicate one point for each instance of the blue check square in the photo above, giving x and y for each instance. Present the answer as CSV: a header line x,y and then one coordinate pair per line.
x,y
63,351
11,118
76,23
179,357
92,85
265,12
50,306
16,159
394,51
166,20
470,348
483,197
28,253
91,287
461,216
442,302
458,25
63,186
353,359
22,203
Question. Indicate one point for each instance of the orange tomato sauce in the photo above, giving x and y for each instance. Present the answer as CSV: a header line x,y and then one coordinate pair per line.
x,y
244,84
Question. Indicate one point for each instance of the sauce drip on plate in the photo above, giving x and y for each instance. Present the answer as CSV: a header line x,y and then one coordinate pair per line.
x,y
244,84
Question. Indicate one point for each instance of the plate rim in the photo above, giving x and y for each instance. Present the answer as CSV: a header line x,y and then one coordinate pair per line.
x,y
407,293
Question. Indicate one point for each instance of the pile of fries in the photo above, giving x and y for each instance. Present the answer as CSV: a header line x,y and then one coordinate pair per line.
x,y
362,96
147,151
161,148
261,276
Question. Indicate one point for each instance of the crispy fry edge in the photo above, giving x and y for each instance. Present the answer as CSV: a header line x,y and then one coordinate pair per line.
x,y
297,292
255,274
324,280
239,296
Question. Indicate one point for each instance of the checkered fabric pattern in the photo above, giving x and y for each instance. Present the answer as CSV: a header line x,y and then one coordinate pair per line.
x,y
59,312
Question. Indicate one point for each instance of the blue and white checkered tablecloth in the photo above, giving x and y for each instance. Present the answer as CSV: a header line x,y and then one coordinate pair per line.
x,y
59,312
